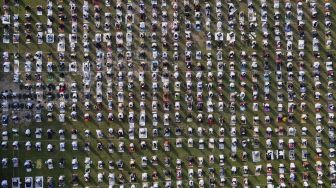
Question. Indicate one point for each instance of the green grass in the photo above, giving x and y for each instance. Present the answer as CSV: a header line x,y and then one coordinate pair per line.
x,y
175,153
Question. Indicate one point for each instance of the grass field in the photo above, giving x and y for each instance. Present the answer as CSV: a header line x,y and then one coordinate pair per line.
x,y
199,44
